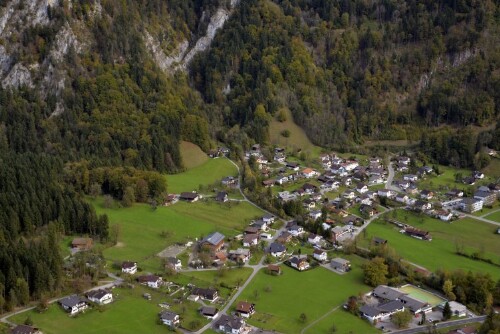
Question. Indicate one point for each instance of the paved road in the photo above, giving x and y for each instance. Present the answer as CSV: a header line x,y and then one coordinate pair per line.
x,y
390,177
483,219
442,325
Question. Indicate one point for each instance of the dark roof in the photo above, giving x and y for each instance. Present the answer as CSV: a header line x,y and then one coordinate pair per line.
x,y
378,240
168,315
221,195
24,329
245,307
127,264
209,310
297,260
205,293
276,248
189,195
97,293
391,306
386,292
148,278
71,301
483,194
412,303
229,322
369,310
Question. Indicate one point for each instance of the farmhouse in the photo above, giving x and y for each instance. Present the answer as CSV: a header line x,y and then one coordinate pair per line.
x,y
151,281
230,324
222,197
471,205
250,240
274,269
245,309
169,318
214,241
277,249
210,295
418,234
173,263
241,255
299,263
209,312
190,196
229,181
340,264
74,304
82,244
129,267
25,329
100,296
320,255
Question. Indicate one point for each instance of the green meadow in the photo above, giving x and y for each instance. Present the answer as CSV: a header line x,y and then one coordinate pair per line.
x,y
209,172
128,314
467,234
494,216
281,299
143,232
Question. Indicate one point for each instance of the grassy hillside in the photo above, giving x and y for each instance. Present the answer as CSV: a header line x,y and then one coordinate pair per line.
x,y
191,154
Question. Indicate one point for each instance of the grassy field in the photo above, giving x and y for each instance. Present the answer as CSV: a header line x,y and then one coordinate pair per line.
x,y
129,313
344,322
141,228
192,155
493,169
494,216
209,172
297,139
281,299
446,180
469,234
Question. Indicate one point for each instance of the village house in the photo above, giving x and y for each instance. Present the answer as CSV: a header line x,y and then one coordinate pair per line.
x,y
299,263
230,324
284,238
210,295
274,269
471,205
361,188
190,196
320,255
376,179
151,281
403,184
277,249
403,160
269,219
129,267
282,180
368,210
444,215
222,197
293,166
245,309
82,244
268,183
477,175
315,214
286,196
386,193
422,206
295,230
349,194
171,199
402,168
250,240
455,193
100,296
487,197
426,194
410,177
74,304
382,311
261,225
229,181
309,204
25,329
340,264
309,173
169,318
240,255
402,198
314,239
173,263
209,312
214,241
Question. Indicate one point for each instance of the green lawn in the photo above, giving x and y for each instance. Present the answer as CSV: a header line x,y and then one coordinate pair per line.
x,y
129,313
208,173
469,234
141,228
192,155
446,180
281,299
344,322
494,216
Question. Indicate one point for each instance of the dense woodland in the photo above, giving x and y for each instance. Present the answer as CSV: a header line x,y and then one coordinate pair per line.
x,y
347,70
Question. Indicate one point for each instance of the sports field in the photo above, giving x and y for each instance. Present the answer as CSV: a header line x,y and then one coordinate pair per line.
x,y
421,295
